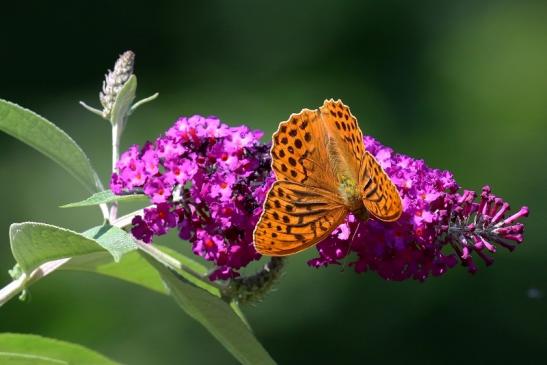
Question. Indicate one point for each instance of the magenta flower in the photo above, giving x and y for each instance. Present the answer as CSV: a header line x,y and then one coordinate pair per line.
x,y
209,180
434,216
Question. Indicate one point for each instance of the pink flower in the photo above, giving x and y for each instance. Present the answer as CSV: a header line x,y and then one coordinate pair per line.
x,y
221,175
434,216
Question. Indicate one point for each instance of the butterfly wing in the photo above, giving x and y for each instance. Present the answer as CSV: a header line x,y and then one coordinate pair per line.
x,y
311,153
296,217
380,195
299,153
345,138
303,206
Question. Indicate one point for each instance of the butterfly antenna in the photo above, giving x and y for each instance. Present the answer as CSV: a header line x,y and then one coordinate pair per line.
x,y
353,237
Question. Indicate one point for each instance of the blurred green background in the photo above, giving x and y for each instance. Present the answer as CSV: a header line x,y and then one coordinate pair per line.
x,y
461,84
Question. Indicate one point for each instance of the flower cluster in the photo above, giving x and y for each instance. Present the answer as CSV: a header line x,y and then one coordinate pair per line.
x,y
438,227
209,181
206,180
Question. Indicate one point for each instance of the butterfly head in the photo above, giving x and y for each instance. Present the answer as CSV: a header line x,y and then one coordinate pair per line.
x,y
361,213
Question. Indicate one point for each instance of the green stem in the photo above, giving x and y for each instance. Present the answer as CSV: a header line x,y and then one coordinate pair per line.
x,y
249,289
117,129
171,262
158,255
23,281
125,221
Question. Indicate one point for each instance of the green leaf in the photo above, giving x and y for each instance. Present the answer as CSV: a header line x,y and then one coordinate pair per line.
x,y
217,316
133,268
106,196
113,239
186,261
33,244
20,349
47,138
123,101
36,243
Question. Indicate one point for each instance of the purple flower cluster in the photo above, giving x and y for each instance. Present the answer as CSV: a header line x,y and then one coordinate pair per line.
x,y
208,181
435,218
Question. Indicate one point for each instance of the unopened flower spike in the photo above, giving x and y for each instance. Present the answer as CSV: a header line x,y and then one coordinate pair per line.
x,y
115,80
113,83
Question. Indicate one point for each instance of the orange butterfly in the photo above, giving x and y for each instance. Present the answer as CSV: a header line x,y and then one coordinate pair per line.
x,y
323,173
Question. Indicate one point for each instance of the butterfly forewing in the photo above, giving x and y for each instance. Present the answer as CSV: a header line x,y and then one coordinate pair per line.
x,y
298,151
380,195
296,217
345,135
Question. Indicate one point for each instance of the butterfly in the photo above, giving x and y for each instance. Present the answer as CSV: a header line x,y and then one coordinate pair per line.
x,y
323,173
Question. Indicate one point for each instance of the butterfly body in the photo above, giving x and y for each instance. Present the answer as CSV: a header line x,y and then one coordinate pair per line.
x,y
323,173
349,193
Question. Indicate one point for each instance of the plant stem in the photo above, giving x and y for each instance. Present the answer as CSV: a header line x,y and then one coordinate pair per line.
x,y
117,129
168,261
125,221
22,282
253,288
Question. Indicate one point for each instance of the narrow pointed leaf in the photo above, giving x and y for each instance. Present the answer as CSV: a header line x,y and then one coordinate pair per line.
x,y
134,268
217,316
106,196
124,100
50,140
23,349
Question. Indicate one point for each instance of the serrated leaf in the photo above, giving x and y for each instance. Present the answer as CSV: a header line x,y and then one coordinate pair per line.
x,y
50,140
123,101
106,196
217,316
23,349
33,244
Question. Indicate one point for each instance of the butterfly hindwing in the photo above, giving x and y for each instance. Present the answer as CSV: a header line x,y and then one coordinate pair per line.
x,y
296,217
380,195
